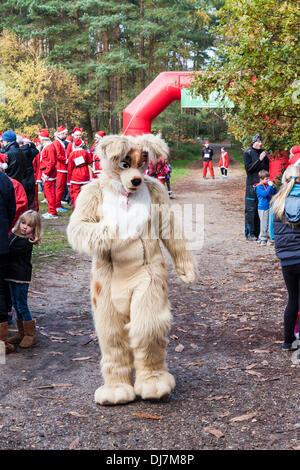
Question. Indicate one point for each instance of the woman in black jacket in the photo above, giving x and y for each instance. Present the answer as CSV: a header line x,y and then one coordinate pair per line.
x,y
286,210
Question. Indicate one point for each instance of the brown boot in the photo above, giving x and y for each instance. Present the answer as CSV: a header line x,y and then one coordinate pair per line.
x,y
3,337
29,334
19,336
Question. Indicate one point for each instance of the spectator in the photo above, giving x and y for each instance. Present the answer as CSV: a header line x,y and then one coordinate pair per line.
x,y
207,154
15,159
286,211
25,234
167,180
7,214
255,159
30,151
264,191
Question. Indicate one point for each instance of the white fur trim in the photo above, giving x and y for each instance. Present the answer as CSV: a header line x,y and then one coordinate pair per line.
x,y
127,214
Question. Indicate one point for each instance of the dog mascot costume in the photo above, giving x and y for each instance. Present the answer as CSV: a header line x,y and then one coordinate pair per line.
x,y
113,223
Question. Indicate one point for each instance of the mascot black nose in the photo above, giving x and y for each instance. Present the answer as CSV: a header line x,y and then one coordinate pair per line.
x,y
136,181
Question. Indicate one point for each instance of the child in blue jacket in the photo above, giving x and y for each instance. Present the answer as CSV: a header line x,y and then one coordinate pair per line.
x,y
264,190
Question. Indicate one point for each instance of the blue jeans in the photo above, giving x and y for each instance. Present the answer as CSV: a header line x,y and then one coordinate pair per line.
x,y
271,229
19,294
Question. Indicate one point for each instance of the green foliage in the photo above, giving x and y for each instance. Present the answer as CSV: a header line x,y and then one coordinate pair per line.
x,y
256,66
37,94
113,48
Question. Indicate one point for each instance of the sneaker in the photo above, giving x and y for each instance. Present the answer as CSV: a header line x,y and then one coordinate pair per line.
x,y
290,346
62,209
49,216
263,242
251,238
44,201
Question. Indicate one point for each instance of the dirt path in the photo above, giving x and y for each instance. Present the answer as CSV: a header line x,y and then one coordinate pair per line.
x,y
235,389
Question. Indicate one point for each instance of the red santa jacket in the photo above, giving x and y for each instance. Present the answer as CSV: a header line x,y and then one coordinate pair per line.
x,y
48,162
61,156
36,168
96,168
71,147
21,199
224,160
78,170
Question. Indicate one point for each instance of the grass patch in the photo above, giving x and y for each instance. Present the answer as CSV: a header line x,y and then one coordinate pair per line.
x,y
54,243
181,157
236,153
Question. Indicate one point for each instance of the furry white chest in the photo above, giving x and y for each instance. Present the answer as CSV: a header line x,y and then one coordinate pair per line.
x,y
126,215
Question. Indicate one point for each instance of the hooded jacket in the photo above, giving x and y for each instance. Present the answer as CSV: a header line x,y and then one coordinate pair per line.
x,y
287,233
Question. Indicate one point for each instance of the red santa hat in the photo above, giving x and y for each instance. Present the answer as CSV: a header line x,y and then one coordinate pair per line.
x,y
69,138
61,130
206,142
100,134
44,134
26,139
78,142
77,129
295,150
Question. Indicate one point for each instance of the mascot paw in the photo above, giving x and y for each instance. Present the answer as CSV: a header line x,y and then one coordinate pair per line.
x,y
114,394
155,387
188,277
188,274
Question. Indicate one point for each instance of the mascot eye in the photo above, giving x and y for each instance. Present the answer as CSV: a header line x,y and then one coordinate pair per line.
x,y
142,164
124,165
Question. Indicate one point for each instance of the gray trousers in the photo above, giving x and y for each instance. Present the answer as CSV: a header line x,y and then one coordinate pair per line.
x,y
264,224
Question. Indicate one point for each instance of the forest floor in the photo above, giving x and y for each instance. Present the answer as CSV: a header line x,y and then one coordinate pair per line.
x,y
235,388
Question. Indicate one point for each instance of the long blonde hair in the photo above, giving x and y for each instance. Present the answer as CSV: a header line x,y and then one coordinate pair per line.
x,y
33,219
290,177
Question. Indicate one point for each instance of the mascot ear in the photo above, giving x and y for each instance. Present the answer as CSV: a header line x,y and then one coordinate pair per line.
x,y
154,145
113,147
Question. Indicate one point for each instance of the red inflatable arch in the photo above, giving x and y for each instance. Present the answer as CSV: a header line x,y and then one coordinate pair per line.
x,y
165,89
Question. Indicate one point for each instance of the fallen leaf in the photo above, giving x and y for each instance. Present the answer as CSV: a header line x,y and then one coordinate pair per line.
x,y
74,443
251,366
82,358
194,346
174,337
238,419
179,348
78,415
147,416
225,414
260,351
254,372
215,432
220,397
191,364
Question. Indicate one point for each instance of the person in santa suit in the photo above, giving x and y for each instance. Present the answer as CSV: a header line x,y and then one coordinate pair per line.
x,y
76,134
96,168
207,154
61,166
224,162
78,170
47,172
159,170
